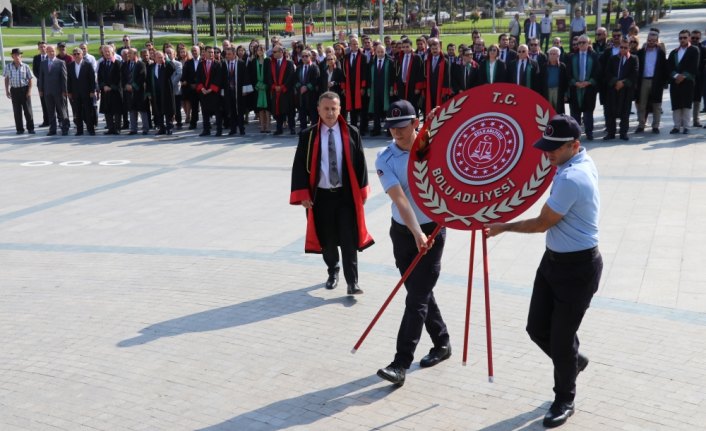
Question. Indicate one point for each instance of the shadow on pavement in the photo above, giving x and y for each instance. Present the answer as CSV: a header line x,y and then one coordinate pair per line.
x,y
522,422
308,408
231,316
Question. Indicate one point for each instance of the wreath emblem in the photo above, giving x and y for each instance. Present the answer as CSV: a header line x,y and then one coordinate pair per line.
x,y
436,203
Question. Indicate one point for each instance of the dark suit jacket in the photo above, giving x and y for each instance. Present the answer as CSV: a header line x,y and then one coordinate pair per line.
x,y
532,80
36,63
499,75
109,76
463,81
562,87
135,100
53,82
82,86
537,29
234,96
311,82
414,78
188,75
584,99
682,95
161,90
620,99
659,79
280,103
509,54
211,80
356,85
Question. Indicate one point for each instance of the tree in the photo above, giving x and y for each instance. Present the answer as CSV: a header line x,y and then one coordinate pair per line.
x,y
100,6
266,6
304,4
152,6
41,8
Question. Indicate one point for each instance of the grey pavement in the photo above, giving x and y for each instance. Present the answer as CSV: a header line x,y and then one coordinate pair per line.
x,y
161,284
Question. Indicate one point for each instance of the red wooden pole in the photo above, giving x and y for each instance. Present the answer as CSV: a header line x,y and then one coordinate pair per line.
x,y
404,278
487,307
468,297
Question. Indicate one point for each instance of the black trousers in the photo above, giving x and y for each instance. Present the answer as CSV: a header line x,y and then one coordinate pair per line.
x,y
618,108
112,121
307,112
45,115
359,118
195,101
336,226
563,288
177,106
57,110
421,310
83,113
22,104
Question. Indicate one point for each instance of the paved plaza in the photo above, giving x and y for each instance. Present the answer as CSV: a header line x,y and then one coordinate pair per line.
x,y
161,284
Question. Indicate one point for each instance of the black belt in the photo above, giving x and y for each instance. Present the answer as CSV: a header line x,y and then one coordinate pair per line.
x,y
427,228
573,256
331,190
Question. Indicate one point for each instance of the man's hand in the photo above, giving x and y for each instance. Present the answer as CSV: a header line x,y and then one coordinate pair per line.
x,y
619,85
307,204
106,88
303,89
493,229
421,239
8,93
128,87
679,78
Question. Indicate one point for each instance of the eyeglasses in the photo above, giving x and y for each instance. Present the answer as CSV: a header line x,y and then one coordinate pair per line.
x,y
583,42
521,52
534,44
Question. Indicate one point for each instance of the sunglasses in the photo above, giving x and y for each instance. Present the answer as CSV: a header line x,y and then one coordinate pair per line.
x,y
534,44
682,37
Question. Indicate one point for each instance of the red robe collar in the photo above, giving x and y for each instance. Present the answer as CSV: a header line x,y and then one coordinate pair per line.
x,y
350,106
278,80
441,91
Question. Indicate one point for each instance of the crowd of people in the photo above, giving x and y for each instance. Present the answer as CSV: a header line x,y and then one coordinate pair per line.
x,y
175,86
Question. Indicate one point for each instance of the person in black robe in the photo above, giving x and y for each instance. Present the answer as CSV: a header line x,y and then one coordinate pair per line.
x,y
235,76
306,88
621,75
409,81
355,66
110,85
650,82
208,86
280,77
161,93
682,67
81,85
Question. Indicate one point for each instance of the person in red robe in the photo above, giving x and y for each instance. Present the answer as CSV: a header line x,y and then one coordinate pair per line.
x,y
330,180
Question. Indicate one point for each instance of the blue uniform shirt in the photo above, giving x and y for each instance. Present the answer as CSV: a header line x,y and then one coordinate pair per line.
x,y
575,196
391,165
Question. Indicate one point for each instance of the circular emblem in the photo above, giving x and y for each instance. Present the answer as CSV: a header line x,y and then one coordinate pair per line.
x,y
485,148
477,164
396,112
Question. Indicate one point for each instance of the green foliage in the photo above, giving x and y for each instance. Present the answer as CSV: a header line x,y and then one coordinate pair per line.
x,y
40,7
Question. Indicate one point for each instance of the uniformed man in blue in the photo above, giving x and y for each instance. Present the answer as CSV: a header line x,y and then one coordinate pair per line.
x,y
408,232
571,267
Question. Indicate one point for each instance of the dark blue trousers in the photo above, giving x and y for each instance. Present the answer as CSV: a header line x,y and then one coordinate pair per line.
x,y
563,288
421,310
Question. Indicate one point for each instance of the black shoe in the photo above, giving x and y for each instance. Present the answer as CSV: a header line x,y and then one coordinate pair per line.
x,y
92,133
145,132
44,125
436,355
205,133
179,126
232,132
589,136
674,131
169,131
219,133
393,374
686,131
697,124
64,132
655,130
277,133
133,132
292,132
242,132
108,132
624,137
582,362
192,126
20,132
353,289
79,134
161,132
31,132
640,129
51,133
608,137
332,281
558,414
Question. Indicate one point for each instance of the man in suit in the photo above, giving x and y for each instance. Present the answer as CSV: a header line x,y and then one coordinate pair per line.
x,y
682,67
109,83
188,79
467,75
280,77
409,81
532,29
36,70
621,74
52,85
650,82
330,180
584,72
382,77
82,91
505,54
161,93
306,88
208,86
699,82
437,72
134,87
355,67
524,71
535,53
170,57
234,78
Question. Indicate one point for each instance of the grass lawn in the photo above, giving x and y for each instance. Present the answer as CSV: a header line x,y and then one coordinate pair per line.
x,y
26,36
